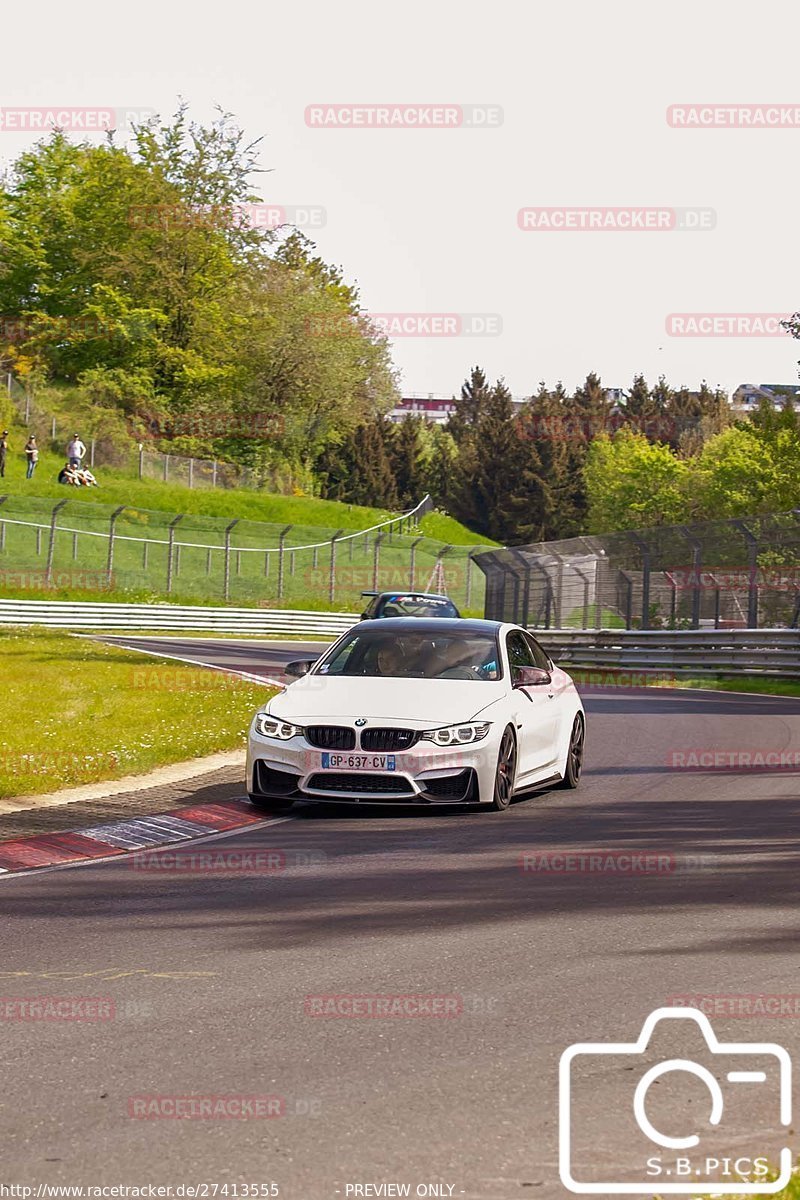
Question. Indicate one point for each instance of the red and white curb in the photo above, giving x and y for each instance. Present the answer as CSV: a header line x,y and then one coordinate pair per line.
x,y
127,837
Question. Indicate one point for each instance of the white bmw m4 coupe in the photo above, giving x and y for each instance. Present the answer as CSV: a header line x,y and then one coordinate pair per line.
x,y
419,711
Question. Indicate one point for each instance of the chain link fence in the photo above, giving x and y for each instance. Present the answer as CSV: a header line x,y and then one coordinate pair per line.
x,y
77,546
106,450
739,573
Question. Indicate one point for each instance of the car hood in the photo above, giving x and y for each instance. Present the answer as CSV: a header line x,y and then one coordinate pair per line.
x,y
413,701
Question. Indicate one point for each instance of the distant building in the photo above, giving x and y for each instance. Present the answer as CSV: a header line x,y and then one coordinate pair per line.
x,y
748,396
436,409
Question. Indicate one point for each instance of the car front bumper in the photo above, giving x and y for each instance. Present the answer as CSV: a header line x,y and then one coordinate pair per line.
x,y
426,774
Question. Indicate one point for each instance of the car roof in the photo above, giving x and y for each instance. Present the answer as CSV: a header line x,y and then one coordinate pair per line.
x,y
435,625
412,592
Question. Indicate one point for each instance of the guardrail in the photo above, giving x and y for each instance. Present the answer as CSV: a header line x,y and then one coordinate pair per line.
x,y
61,614
678,651
672,651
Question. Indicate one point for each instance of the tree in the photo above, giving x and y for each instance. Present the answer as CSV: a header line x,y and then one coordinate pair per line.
x,y
632,484
358,470
405,452
747,469
591,408
543,425
475,393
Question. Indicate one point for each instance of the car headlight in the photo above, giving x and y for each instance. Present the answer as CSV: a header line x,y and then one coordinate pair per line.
x,y
457,735
274,727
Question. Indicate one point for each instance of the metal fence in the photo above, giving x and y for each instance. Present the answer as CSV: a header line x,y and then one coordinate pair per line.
x,y
740,573
78,546
119,452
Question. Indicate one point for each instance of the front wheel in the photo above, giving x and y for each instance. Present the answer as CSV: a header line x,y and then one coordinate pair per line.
x,y
505,773
572,773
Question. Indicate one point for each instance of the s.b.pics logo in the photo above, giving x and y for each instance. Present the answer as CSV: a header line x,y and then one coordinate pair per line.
x,y
703,1122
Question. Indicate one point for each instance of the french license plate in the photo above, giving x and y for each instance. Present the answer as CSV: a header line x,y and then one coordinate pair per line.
x,y
358,762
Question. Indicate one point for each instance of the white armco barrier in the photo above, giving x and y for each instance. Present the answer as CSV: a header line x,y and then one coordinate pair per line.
x,y
62,614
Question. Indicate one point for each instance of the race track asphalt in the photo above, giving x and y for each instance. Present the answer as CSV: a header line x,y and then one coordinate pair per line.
x,y
215,977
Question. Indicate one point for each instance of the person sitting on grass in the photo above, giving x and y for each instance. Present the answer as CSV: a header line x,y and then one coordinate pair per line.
x,y
68,474
86,478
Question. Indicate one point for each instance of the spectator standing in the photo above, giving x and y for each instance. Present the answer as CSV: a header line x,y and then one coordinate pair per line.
x,y
32,455
3,452
75,451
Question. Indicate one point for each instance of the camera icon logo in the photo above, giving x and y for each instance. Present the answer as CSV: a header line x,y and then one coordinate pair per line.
x,y
686,1164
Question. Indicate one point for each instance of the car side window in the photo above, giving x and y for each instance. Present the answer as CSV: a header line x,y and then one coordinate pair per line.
x,y
520,653
540,655
371,608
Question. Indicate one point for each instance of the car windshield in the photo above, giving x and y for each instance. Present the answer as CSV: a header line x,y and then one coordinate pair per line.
x,y
410,605
383,653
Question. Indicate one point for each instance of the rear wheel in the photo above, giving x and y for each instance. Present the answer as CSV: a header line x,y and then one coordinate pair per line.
x,y
505,773
572,774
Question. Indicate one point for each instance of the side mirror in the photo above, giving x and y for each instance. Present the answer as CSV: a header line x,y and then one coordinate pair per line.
x,y
522,677
299,667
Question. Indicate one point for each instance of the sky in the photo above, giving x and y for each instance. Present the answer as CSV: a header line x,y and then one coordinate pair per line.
x,y
546,107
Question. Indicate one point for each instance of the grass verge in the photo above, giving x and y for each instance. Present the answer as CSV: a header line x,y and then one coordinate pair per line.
x,y
74,711
631,677
755,684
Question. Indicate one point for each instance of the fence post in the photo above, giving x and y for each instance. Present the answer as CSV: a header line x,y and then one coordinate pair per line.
x,y
208,562
191,472
145,549
645,552
141,461
170,547
166,467
214,473
697,554
752,591
48,571
38,541
315,555
281,541
91,452
413,563
53,429
468,595
27,408
226,583
2,501
111,528
332,581
376,560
